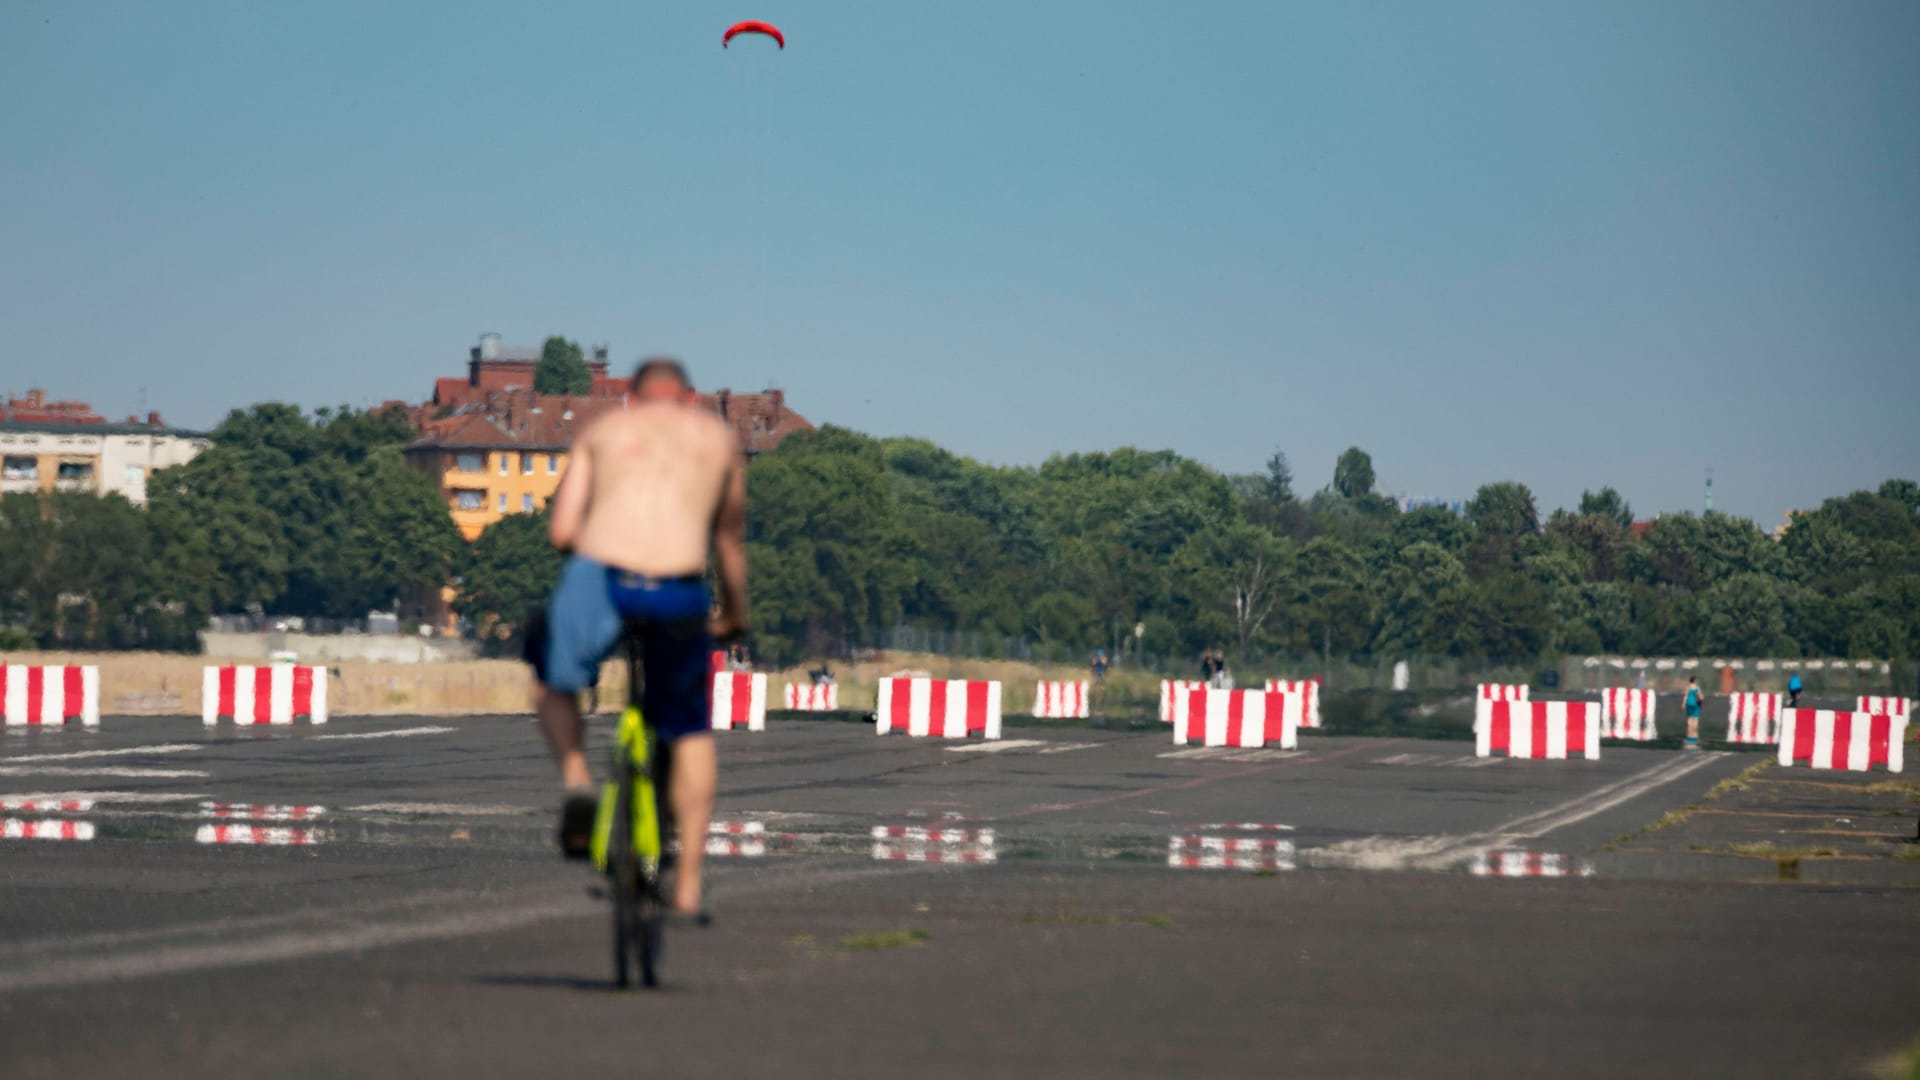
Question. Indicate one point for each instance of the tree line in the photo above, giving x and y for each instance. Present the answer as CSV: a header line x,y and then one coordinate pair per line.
x,y
850,536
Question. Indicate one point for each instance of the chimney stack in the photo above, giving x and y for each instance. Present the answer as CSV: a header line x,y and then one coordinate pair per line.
x,y
778,398
722,398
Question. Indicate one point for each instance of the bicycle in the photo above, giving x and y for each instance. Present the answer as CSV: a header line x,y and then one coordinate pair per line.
x,y
629,834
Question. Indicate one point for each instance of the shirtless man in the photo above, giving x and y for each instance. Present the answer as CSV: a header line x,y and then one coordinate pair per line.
x,y
648,490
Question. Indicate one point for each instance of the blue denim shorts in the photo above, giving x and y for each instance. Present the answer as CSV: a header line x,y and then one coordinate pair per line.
x,y
584,620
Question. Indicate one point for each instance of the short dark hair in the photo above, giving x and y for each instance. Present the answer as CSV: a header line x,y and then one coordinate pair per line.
x,y
661,367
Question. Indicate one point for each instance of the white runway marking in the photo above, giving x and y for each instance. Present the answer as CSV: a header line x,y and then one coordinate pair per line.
x,y
996,747
1467,761
428,809
396,733
124,772
1229,753
163,748
1063,748
128,797
1440,852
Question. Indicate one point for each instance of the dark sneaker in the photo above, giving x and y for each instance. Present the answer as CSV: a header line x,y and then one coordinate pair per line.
x,y
576,825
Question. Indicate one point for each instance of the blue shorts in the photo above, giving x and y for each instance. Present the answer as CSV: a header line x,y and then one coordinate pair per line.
x,y
584,621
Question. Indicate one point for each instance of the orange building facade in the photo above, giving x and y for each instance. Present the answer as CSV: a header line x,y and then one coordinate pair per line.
x,y
496,448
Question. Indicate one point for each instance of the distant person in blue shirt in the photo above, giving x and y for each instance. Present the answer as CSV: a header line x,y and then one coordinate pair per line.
x,y
1693,713
1793,691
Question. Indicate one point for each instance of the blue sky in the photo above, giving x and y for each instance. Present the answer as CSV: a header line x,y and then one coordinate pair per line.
x,y
1567,244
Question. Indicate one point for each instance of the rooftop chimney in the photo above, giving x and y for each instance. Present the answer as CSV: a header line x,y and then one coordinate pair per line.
x,y
489,346
721,399
778,399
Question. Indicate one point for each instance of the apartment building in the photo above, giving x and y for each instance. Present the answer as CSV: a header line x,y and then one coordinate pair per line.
x,y
497,448
66,446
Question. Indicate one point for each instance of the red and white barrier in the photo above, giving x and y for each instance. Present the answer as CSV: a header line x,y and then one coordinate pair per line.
x,y
50,829
1539,729
1309,691
1169,688
1485,694
812,697
1626,714
47,806
739,701
916,843
1527,864
737,839
263,835
1884,706
1753,717
261,812
49,695
1236,718
946,708
1229,853
273,694
1857,741
1060,701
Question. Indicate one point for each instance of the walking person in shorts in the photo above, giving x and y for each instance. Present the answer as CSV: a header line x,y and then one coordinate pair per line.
x,y
1693,713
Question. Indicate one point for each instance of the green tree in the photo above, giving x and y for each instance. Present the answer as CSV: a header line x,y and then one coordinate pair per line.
x,y
1608,504
1503,518
562,369
1424,588
505,574
1353,473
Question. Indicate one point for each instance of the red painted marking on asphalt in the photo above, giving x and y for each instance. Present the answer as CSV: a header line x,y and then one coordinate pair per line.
x,y
1194,783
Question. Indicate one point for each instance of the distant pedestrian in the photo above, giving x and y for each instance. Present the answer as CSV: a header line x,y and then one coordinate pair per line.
x,y
1099,665
1793,691
1206,666
1693,713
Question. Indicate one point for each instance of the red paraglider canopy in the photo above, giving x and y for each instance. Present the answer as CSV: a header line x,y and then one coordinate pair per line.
x,y
754,26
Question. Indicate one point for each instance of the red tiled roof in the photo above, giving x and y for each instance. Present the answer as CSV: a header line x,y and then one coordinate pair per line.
x,y
523,420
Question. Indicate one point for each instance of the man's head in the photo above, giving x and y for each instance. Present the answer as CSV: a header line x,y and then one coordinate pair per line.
x,y
662,378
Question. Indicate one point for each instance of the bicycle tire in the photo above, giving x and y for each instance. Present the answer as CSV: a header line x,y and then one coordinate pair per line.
x,y
623,873
650,927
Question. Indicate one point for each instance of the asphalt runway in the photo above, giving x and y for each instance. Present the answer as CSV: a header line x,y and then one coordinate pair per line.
x,y
380,897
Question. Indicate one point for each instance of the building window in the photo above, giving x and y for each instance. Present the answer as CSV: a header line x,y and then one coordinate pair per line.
x,y
526,504
526,464
553,464
470,462
136,477
75,472
503,466
469,499
20,468
503,499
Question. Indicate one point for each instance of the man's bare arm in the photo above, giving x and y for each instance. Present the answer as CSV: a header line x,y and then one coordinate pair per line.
x,y
730,552
567,513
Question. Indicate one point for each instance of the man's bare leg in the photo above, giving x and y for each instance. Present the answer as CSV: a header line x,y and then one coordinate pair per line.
x,y
696,773
560,722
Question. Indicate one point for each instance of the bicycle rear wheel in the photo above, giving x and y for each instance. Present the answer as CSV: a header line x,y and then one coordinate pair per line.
x,y
624,874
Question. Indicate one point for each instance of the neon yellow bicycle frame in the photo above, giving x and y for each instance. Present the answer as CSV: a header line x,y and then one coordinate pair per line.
x,y
630,745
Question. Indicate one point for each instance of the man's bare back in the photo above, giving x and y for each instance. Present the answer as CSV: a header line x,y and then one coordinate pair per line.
x,y
653,477
648,490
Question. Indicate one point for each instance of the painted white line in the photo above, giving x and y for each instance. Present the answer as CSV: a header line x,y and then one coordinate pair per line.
x,y
128,797
1063,748
1440,852
1229,753
292,945
129,751
996,747
432,809
396,733
123,772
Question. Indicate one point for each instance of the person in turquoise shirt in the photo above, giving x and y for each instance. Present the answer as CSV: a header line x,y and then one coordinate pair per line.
x,y
1793,691
1693,713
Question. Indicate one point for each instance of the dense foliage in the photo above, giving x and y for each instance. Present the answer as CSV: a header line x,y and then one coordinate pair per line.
x,y
314,516
851,537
